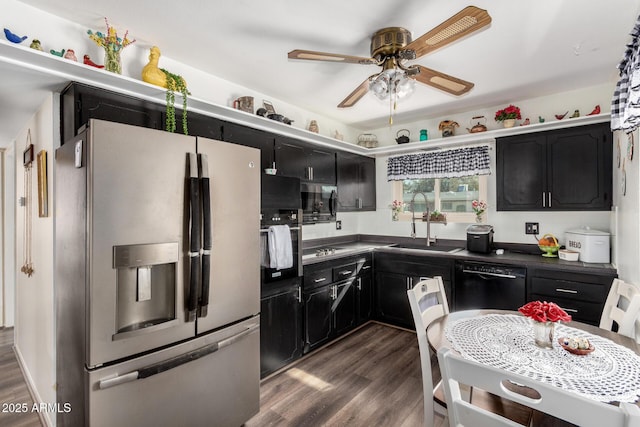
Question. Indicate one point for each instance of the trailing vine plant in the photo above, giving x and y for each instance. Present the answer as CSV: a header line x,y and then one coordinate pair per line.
x,y
175,83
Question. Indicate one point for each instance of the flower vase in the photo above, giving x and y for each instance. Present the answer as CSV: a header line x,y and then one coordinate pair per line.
x,y
478,218
509,123
543,333
395,215
112,61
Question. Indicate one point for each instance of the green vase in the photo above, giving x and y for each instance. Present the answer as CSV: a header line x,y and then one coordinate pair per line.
x,y
112,61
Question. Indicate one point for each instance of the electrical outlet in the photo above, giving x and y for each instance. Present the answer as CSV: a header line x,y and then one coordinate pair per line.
x,y
531,228
339,225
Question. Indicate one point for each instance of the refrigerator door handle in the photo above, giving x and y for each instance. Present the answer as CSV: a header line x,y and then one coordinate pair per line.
x,y
207,239
166,365
194,241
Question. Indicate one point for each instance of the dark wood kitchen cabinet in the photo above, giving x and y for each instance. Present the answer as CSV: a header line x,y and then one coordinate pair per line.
x,y
582,295
356,178
397,273
561,170
280,328
250,137
337,297
79,103
305,161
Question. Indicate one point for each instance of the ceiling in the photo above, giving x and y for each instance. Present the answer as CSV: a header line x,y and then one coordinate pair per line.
x,y
530,49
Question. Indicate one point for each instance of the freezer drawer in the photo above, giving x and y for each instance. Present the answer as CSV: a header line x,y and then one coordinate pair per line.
x,y
220,387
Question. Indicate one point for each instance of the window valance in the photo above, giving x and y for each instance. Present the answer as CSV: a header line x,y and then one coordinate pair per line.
x,y
440,164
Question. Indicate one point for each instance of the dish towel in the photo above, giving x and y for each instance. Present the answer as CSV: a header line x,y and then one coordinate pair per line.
x,y
280,247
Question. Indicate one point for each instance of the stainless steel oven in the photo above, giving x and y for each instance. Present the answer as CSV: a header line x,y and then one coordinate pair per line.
x,y
319,202
291,218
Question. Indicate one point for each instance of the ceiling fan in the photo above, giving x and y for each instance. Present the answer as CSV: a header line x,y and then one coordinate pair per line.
x,y
392,47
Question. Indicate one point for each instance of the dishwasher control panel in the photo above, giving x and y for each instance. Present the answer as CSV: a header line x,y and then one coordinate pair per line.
x,y
493,269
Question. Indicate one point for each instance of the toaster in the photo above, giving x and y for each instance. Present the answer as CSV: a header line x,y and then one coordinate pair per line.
x,y
480,238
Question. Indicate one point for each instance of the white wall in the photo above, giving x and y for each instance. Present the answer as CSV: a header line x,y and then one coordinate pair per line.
x,y
509,226
625,222
34,326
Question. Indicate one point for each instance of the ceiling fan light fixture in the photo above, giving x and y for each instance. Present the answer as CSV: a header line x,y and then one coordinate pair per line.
x,y
392,82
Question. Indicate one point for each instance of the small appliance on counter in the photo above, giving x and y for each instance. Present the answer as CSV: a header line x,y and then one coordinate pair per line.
x,y
593,245
480,238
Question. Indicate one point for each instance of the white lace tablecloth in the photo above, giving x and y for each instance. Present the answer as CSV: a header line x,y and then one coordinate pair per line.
x,y
505,341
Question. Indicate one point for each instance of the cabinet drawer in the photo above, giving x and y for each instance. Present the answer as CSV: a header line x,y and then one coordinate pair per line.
x,y
567,289
317,277
344,271
581,311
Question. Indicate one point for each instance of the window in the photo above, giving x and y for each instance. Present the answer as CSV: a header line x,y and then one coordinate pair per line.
x,y
452,196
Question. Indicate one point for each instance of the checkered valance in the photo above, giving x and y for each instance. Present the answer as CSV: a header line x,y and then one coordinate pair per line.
x,y
440,164
625,106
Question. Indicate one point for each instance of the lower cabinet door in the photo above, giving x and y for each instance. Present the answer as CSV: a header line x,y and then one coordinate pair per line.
x,y
280,330
344,313
317,317
392,301
364,300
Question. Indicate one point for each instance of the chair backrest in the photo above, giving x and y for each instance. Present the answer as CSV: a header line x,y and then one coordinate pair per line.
x,y
428,302
622,307
545,398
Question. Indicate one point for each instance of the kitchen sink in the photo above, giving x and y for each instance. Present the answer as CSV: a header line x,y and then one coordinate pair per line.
x,y
423,246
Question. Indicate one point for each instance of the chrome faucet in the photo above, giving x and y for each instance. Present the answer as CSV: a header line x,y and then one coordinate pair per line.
x,y
430,239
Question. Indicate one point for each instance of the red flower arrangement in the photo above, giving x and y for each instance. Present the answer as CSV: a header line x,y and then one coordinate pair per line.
x,y
511,112
544,312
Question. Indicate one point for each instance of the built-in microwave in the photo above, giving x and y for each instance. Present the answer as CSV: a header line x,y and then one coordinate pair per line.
x,y
319,202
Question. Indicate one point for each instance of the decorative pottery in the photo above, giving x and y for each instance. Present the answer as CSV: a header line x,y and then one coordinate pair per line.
x,y
448,128
479,125
395,215
424,135
543,333
509,123
244,103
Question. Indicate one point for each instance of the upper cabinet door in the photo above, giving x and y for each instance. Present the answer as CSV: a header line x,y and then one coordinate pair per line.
x,y
579,168
520,175
561,170
356,178
249,137
305,162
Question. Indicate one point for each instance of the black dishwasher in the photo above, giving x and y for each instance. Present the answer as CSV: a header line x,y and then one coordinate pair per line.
x,y
491,286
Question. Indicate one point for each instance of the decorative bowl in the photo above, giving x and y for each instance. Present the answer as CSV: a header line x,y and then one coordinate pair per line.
x,y
578,351
549,251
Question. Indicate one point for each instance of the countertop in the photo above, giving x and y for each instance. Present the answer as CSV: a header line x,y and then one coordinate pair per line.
x,y
513,255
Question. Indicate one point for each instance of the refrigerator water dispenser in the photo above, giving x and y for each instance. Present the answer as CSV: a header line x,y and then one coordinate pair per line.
x,y
146,287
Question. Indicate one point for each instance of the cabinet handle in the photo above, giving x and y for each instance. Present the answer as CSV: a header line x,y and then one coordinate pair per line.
x,y
334,292
359,203
321,279
549,198
544,199
566,291
310,173
572,310
299,294
366,267
345,272
359,285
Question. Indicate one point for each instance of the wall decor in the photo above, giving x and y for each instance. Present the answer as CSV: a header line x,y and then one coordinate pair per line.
x,y
27,160
43,195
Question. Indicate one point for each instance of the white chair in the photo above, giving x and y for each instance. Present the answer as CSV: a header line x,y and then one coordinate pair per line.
x,y
545,398
623,308
428,302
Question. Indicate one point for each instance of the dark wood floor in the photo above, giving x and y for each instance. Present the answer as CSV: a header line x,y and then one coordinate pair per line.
x,y
14,394
369,378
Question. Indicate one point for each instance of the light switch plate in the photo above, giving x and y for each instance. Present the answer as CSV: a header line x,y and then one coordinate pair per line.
x,y
531,228
338,225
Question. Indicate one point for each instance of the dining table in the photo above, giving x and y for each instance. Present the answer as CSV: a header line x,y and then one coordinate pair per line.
x,y
505,339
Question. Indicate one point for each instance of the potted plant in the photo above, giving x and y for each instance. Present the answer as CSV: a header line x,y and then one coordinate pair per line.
x,y
437,216
508,116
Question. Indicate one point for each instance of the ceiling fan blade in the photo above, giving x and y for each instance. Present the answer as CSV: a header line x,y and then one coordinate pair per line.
x,y
356,95
442,81
463,23
331,57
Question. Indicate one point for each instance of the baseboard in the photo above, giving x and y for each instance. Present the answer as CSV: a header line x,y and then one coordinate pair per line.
x,y
43,415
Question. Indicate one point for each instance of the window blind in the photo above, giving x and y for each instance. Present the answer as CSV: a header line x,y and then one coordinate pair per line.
x,y
440,164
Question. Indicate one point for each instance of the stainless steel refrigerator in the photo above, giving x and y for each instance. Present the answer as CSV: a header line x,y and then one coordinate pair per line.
x,y
157,279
